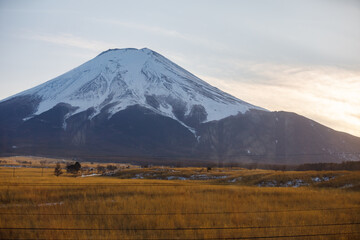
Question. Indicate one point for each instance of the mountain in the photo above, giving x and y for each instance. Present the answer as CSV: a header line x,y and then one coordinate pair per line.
x,y
136,103
119,78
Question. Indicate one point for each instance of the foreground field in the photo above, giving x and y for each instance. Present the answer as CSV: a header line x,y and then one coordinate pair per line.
x,y
38,205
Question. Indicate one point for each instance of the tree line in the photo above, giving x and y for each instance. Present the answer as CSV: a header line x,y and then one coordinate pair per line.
x,y
75,168
349,166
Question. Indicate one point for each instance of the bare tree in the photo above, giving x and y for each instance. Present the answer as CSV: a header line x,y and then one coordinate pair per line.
x,y
42,163
58,170
73,168
111,167
100,169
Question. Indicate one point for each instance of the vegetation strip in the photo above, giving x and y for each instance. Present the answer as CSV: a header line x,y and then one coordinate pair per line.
x,y
98,185
178,213
177,229
227,238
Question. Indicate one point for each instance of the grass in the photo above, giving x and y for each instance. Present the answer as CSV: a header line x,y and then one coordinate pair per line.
x,y
238,176
118,208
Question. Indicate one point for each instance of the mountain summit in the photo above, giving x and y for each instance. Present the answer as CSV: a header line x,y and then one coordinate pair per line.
x,y
136,104
119,78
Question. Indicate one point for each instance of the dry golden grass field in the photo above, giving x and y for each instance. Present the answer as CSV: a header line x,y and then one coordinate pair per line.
x,y
217,204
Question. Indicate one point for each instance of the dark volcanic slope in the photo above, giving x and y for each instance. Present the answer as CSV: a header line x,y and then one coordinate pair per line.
x,y
278,137
256,136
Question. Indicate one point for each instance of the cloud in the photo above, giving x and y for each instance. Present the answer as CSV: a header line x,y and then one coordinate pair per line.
x,y
66,39
328,95
356,116
156,30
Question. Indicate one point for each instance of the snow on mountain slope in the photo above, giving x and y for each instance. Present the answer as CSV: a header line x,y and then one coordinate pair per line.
x,y
119,78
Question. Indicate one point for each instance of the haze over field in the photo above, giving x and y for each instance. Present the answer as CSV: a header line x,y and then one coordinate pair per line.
x,y
295,56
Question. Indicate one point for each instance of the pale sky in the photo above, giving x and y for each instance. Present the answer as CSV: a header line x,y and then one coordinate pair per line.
x,y
300,56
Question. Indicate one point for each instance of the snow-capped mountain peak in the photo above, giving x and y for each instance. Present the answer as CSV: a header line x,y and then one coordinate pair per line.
x,y
130,104
119,78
